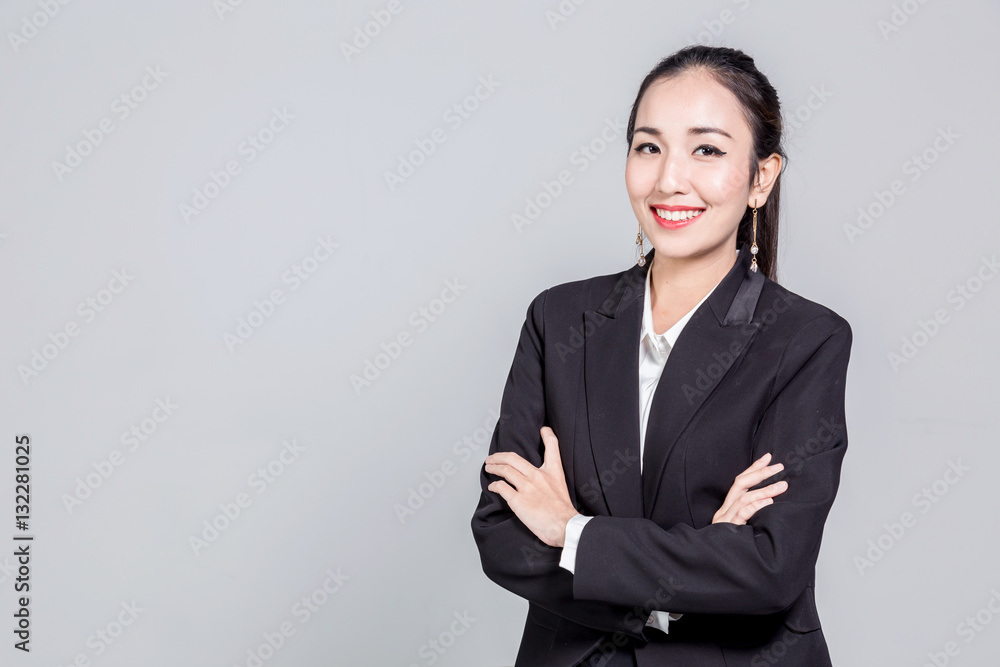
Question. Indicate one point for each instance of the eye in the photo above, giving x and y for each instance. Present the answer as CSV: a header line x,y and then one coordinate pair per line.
x,y
712,150
638,149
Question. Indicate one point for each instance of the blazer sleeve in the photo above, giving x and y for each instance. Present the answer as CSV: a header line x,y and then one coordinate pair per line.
x,y
763,566
512,556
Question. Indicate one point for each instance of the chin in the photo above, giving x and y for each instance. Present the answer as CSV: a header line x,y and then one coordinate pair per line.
x,y
685,248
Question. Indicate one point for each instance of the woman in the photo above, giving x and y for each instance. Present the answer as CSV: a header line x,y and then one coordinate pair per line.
x,y
635,399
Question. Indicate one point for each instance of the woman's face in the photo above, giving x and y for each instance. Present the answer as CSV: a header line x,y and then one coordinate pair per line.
x,y
690,153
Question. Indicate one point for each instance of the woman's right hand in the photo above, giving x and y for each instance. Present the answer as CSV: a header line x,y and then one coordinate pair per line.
x,y
741,504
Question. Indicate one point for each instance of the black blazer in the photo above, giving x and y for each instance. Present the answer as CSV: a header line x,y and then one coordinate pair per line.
x,y
756,369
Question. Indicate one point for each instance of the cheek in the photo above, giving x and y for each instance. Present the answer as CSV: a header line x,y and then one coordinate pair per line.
x,y
638,181
724,187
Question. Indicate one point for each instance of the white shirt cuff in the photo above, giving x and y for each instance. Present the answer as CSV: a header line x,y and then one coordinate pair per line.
x,y
661,620
574,527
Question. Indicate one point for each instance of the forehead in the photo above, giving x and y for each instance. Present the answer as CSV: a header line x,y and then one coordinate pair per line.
x,y
691,99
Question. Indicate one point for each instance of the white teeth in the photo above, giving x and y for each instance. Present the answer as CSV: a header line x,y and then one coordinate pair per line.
x,y
677,215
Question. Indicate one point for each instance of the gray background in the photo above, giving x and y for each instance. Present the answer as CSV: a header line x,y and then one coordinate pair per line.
x,y
886,96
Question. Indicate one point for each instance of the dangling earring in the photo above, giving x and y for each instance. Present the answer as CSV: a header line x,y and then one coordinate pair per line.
x,y
753,246
638,242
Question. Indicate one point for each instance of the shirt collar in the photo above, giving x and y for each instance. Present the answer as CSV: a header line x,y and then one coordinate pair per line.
x,y
668,337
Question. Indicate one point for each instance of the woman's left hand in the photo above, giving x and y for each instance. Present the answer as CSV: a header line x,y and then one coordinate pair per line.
x,y
538,496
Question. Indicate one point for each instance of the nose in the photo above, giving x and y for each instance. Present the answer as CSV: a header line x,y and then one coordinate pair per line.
x,y
674,174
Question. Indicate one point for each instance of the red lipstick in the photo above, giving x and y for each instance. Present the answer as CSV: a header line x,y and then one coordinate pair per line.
x,y
675,224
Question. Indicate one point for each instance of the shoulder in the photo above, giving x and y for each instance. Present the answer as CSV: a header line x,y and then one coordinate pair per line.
x,y
801,332
795,313
568,301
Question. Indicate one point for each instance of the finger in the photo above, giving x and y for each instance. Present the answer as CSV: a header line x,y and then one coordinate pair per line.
x,y
749,510
745,481
752,476
766,492
503,489
737,502
551,447
749,478
756,470
509,473
733,496
775,489
759,463
769,491
511,459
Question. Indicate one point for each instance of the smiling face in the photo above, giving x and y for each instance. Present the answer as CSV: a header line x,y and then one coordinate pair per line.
x,y
687,173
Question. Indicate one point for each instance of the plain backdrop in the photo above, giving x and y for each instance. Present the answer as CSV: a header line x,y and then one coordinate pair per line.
x,y
264,265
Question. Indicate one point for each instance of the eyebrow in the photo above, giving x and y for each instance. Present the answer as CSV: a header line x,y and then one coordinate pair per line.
x,y
692,131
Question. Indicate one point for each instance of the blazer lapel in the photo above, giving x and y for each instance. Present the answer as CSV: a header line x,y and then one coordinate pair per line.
x,y
709,345
611,379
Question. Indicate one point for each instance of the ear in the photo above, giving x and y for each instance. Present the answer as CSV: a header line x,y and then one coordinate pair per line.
x,y
767,174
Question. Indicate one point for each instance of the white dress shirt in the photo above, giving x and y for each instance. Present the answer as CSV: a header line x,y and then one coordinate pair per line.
x,y
654,349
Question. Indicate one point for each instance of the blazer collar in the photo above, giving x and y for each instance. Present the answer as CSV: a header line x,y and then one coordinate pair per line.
x,y
721,324
723,302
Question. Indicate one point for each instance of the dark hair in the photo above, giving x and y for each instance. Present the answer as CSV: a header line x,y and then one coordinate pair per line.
x,y
759,102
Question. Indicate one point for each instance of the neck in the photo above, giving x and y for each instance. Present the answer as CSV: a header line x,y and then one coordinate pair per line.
x,y
689,278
